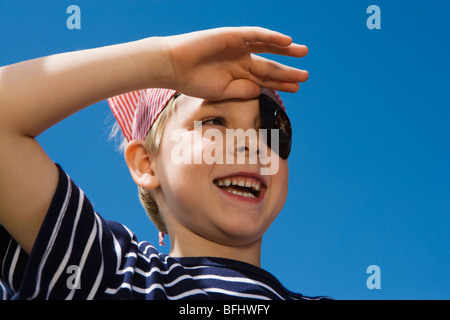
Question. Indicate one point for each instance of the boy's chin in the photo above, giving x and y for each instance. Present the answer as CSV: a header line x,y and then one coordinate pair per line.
x,y
238,237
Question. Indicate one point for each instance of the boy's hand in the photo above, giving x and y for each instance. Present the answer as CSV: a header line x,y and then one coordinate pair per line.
x,y
219,64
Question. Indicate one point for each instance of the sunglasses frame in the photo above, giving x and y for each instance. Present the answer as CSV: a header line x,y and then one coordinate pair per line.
x,y
274,117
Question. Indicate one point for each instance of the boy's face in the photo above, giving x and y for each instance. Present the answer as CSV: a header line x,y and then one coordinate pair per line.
x,y
224,201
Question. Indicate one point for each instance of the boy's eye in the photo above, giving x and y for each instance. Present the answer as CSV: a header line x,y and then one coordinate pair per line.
x,y
216,121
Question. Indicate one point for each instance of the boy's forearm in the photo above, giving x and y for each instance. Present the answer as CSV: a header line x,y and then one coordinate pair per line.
x,y
36,94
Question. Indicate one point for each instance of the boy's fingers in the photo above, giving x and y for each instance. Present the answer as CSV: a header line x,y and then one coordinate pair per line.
x,y
291,87
267,69
242,89
257,34
293,50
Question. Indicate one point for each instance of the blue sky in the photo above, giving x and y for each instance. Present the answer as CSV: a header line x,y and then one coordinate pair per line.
x,y
369,169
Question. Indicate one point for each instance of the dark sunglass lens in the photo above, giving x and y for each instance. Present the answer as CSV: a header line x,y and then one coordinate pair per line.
x,y
274,117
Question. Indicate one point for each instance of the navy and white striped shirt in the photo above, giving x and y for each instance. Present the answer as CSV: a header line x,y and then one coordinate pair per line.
x,y
78,255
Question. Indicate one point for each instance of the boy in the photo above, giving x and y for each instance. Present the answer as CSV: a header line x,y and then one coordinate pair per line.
x,y
53,245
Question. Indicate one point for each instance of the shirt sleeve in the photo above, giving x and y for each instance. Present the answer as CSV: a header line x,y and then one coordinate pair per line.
x,y
75,255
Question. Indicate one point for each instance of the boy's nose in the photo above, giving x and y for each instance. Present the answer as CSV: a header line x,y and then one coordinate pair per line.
x,y
244,149
247,151
243,140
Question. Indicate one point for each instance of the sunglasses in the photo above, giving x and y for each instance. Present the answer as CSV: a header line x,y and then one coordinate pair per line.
x,y
274,117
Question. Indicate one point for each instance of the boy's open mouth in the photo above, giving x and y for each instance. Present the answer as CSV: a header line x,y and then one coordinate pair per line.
x,y
248,187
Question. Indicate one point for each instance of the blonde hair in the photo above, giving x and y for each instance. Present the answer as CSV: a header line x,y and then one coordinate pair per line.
x,y
152,143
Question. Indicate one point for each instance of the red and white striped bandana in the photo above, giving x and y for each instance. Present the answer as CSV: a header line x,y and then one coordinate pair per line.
x,y
136,111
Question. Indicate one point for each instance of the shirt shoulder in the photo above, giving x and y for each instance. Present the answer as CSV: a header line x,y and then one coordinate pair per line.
x,y
76,253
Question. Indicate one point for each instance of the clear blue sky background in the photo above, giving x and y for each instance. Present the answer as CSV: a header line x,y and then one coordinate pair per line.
x,y
369,170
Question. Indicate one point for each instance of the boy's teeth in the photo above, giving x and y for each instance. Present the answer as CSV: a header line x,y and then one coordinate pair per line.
x,y
244,194
243,182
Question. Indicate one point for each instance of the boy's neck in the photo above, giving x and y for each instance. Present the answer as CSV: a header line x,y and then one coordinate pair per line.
x,y
197,246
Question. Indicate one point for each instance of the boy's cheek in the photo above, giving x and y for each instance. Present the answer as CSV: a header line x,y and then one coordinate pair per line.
x,y
281,179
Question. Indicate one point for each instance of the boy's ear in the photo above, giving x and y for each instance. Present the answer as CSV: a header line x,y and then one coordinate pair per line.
x,y
140,165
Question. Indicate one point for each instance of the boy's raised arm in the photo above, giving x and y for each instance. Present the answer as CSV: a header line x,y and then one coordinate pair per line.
x,y
36,94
